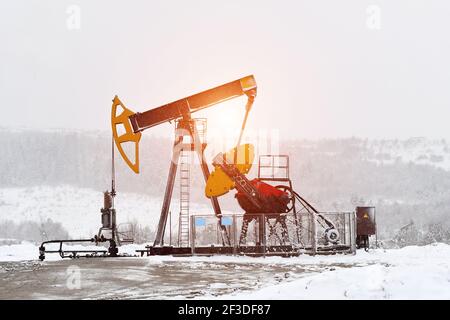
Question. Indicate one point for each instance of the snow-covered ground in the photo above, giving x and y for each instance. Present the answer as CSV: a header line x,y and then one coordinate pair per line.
x,y
408,273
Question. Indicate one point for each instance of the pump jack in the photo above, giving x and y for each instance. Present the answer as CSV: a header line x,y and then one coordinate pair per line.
x,y
255,196
135,123
260,200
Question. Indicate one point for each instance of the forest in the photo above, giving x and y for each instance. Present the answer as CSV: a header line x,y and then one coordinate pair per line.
x,y
333,174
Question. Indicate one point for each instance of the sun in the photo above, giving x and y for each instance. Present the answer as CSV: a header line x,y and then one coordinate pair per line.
x,y
224,124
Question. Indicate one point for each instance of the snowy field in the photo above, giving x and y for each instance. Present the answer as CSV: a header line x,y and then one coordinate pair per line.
x,y
408,273
78,209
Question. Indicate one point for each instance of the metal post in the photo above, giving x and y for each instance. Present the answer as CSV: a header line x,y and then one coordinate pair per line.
x,y
314,233
193,235
114,234
217,233
170,228
159,239
264,234
376,227
344,228
234,235
353,232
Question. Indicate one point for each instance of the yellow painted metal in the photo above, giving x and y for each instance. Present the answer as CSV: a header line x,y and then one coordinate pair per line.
x,y
218,182
242,156
129,136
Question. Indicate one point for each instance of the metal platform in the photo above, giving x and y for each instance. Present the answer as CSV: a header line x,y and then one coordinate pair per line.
x,y
304,236
255,251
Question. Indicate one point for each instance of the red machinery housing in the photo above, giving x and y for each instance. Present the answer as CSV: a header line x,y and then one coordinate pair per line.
x,y
274,200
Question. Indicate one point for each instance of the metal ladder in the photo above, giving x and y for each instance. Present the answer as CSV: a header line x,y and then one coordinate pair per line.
x,y
183,223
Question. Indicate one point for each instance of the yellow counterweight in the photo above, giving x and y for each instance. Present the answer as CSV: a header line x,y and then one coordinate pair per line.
x,y
218,182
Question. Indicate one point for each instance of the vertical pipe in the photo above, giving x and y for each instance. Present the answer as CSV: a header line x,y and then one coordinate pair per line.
x,y
113,173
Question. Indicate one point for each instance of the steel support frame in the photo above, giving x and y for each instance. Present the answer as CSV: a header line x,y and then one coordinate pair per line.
x,y
188,129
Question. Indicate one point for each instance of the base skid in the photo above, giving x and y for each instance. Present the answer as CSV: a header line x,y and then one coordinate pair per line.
x,y
255,251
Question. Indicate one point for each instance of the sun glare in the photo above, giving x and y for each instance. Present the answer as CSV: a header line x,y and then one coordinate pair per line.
x,y
224,122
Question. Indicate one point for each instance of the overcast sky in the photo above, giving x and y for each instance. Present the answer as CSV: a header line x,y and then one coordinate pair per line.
x,y
323,68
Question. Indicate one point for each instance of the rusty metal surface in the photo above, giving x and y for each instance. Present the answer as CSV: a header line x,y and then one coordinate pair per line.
x,y
365,221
